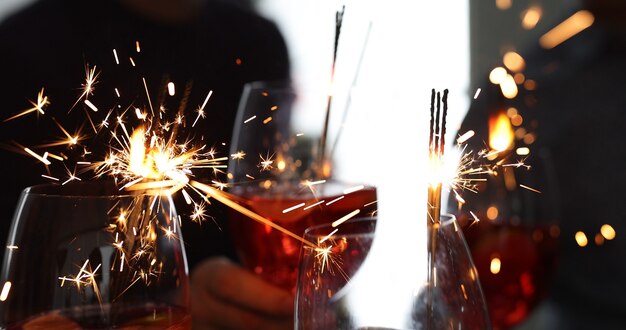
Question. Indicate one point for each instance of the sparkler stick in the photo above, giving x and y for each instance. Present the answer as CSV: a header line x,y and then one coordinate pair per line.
x,y
436,151
354,82
322,151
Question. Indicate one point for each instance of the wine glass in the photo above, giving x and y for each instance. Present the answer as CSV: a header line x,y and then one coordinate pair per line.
x,y
276,172
343,283
83,256
515,246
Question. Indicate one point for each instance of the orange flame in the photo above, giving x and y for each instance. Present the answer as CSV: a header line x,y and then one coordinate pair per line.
x,y
501,133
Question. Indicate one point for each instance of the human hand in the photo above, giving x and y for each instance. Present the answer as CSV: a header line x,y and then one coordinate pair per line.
x,y
226,296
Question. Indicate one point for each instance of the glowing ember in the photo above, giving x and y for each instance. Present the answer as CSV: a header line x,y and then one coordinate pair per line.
x,y
567,29
501,135
42,102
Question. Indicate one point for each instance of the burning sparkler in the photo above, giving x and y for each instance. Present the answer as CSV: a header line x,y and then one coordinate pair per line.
x,y
323,140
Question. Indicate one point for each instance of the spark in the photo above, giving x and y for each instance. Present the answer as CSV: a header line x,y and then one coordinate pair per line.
x,y
308,183
85,277
581,239
327,260
335,200
474,216
607,232
171,88
91,79
249,119
128,287
324,254
509,87
140,115
6,288
206,100
576,23
59,158
477,93
295,207
514,61
186,196
267,120
71,177
219,185
199,212
71,140
117,60
497,75
458,197
169,233
41,159
105,121
353,189
91,105
201,113
529,188
145,85
266,163
523,151
238,155
328,236
137,47
518,164
504,4
531,16
42,102
345,218
370,203
495,265
314,205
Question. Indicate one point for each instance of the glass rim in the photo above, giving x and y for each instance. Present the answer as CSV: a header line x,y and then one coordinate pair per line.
x,y
104,189
286,84
371,219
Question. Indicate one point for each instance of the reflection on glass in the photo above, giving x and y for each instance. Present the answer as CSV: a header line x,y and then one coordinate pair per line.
x,y
275,171
81,256
336,289
514,246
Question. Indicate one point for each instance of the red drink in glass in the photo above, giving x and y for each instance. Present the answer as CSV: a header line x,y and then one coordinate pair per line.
x,y
148,317
274,255
515,264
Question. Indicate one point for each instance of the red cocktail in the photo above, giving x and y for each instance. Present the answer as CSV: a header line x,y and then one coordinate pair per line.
x,y
294,206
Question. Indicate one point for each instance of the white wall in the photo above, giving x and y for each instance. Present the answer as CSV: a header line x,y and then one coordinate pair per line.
x,y
413,46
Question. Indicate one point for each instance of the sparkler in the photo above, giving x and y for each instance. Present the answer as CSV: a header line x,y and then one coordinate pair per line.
x,y
327,259
148,159
322,152
436,152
